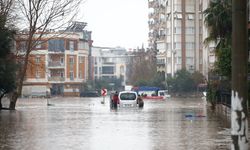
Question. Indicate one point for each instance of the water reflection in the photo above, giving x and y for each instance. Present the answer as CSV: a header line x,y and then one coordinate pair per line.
x,y
85,123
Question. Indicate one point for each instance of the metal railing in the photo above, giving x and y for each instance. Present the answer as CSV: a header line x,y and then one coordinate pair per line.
x,y
224,98
56,78
55,64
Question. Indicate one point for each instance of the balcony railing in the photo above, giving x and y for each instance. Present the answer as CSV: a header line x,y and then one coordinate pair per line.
x,y
56,78
151,4
56,64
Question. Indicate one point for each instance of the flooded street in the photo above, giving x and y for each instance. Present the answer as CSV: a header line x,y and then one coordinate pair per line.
x,y
86,124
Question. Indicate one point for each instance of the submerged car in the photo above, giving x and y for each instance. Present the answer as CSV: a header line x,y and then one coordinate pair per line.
x,y
128,99
89,94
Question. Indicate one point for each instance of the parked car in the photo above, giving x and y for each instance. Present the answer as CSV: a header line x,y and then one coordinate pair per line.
x,y
89,94
128,99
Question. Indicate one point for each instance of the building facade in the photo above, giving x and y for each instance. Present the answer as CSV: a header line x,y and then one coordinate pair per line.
x,y
109,63
58,63
176,32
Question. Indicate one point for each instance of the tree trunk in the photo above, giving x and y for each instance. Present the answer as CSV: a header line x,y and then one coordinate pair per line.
x,y
239,113
13,100
1,96
21,76
1,103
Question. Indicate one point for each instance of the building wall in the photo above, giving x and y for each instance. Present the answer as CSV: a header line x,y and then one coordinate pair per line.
x,y
82,67
179,34
36,67
111,57
71,67
45,64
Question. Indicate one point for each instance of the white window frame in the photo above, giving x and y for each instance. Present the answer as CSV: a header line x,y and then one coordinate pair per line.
x,y
71,75
38,73
62,60
71,60
38,44
38,60
71,46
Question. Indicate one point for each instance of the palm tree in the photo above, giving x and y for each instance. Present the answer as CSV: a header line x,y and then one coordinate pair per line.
x,y
218,19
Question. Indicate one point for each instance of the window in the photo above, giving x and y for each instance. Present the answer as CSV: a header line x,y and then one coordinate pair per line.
x,y
177,23
38,60
162,32
23,46
71,60
71,46
177,45
178,16
56,45
122,70
190,30
71,75
80,74
81,59
96,69
160,61
81,45
179,60
177,7
177,30
62,60
38,73
190,60
190,16
38,45
61,74
128,96
107,70
190,8
95,59
189,45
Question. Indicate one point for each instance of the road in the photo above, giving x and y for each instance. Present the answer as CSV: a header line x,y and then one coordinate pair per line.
x,y
86,124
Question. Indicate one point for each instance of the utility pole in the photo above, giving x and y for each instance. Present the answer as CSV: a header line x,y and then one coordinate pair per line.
x,y
239,112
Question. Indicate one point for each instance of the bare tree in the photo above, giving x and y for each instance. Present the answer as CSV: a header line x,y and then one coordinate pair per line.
x,y
37,16
5,7
141,66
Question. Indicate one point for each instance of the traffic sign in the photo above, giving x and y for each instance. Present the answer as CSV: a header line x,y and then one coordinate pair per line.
x,y
104,92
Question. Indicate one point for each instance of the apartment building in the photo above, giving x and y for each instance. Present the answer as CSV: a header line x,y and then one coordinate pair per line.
x,y
209,57
176,32
58,64
110,63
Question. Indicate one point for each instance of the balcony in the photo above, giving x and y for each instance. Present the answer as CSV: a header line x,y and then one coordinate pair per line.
x,y
56,64
152,3
56,78
161,62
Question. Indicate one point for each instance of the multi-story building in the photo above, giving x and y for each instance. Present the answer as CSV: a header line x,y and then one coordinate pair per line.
x,y
175,31
110,63
209,57
58,63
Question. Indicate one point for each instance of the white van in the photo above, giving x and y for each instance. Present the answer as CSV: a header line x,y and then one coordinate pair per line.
x,y
128,99
164,93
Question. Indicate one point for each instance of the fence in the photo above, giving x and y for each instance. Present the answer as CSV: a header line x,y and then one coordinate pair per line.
x,y
224,98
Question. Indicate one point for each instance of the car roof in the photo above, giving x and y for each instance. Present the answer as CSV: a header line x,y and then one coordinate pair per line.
x,y
127,92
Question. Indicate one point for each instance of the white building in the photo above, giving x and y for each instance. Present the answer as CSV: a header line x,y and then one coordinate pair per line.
x,y
109,63
175,30
208,50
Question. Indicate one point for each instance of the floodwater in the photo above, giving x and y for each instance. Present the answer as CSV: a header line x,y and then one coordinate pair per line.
x,y
86,124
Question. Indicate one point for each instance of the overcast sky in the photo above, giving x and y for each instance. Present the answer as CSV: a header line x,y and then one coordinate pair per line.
x,y
116,22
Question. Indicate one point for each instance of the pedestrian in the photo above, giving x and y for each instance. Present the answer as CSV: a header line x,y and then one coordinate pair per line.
x,y
115,100
111,100
140,101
